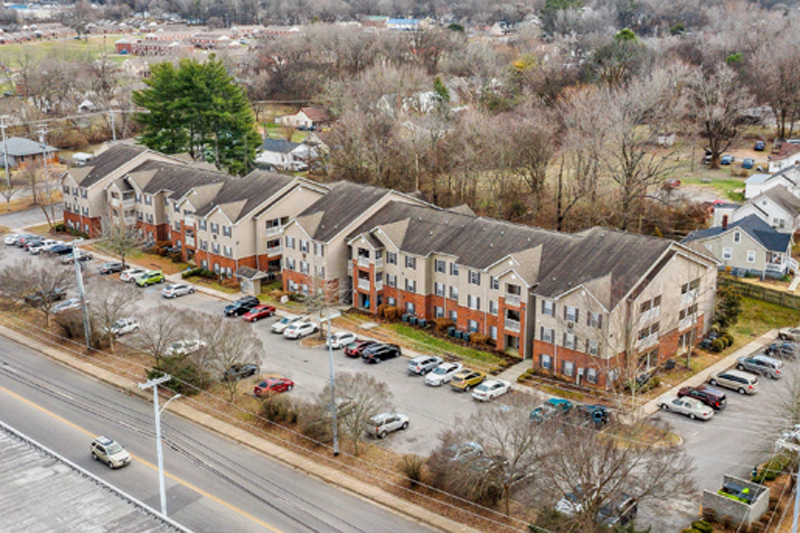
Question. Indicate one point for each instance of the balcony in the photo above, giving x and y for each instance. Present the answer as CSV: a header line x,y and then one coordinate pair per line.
x,y
649,315
363,284
274,230
363,261
190,241
686,323
513,300
115,203
776,267
512,325
129,202
647,342
378,285
379,263
275,250
130,221
188,220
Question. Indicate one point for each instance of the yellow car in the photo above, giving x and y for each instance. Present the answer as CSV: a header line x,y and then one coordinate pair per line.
x,y
466,379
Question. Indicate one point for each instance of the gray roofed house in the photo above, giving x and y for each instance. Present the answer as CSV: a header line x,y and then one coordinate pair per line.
x,y
21,151
246,194
176,178
106,162
763,233
284,154
777,206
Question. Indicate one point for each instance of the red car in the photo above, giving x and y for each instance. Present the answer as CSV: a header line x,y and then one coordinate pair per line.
x,y
354,349
273,385
259,312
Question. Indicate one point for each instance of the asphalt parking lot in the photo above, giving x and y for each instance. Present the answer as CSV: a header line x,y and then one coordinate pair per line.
x,y
430,409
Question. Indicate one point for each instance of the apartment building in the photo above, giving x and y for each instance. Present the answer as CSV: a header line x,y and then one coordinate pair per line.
x,y
315,249
581,305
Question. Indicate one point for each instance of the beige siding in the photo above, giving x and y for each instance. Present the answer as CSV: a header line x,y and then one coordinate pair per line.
x,y
739,251
287,207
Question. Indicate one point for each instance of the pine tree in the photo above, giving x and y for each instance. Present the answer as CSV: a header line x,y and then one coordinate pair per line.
x,y
199,109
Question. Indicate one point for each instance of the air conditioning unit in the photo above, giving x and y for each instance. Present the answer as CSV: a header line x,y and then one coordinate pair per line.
x,y
570,325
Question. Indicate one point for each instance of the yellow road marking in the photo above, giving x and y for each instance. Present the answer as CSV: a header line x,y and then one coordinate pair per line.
x,y
147,464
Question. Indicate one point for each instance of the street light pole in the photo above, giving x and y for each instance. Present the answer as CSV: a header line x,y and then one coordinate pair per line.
x,y
154,383
334,409
87,328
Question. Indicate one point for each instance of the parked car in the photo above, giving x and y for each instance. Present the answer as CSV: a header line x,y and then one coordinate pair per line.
x,y
174,290
110,452
727,159
784,350
12,239
355,349
464,452
341,339
443,374
710,396
274,385
237,372
672,184
40,296
760,146
111,268
241,306
381,425
423,364
690,407
30,243
789,334
150,277
20,243
66,305
733,379
259,312
380,352
491,389
123,326
42,245
599,415
130,274
70,258
550,409
300,329
748,162
283,323
761,364
619,510
185,347
466,380
60,249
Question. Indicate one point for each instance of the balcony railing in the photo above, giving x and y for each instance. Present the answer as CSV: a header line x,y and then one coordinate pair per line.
x,y
649,315
512,325
190,241
115,203
275,250
130,221
363,284
378,285
379,263
274,230
647,342
363,261
776,267
513,300
188,221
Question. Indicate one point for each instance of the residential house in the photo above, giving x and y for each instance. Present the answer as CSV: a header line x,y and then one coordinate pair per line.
x,y
776,206
575,304
748,245
284,154
307,118
315,249
788,157
210,40
22,152
758,183
373,21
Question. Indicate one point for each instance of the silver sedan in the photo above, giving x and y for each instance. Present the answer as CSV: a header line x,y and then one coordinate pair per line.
x,y
690,407
177,289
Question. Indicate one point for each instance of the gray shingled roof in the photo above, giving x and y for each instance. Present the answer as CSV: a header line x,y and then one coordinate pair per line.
x,y
280,146
42,491
338,209
781,196
254,189
610,262
20,146
107,162
176,178
753,225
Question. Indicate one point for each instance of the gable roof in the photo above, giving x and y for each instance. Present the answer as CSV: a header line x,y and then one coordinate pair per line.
x,y
316,114
176,178
757,178
280,146
337,209
767,236
20,147
242,196
783,198
108,161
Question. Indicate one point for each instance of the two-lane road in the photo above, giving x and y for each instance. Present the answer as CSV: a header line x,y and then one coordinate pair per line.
x,y
213,483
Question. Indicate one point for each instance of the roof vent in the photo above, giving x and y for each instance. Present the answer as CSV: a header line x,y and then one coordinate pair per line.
x,y
502,232
431,232
491,245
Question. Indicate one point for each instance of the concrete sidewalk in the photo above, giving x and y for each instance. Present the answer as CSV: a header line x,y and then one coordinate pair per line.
x,y
652,406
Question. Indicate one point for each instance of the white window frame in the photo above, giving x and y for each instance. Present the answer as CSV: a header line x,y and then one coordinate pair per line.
x,y
751,256
727,254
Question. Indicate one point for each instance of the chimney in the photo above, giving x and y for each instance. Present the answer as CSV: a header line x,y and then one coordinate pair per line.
x,y
724,222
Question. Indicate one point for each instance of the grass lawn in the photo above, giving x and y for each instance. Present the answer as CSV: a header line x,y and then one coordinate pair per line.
x,y
94,46
437,345
211,284
759,317
728,186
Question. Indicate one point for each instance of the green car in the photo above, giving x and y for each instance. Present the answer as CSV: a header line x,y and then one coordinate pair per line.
x,y
150,277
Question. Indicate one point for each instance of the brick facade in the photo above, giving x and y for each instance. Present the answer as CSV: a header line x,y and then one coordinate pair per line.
x,y
79,222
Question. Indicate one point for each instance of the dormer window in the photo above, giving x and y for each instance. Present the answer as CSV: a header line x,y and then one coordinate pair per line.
x,y
737,236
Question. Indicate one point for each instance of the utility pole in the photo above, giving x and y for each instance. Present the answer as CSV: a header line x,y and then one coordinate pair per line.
x,y
3,127
154,383
113,128
334,407
87,328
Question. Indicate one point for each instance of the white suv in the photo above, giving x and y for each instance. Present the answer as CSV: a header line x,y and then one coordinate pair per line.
x,y
110,452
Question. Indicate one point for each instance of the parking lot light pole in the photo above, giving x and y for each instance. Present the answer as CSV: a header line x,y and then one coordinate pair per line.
x,y
333,388
87,328
154,383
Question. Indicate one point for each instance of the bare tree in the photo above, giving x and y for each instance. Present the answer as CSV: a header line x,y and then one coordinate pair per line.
x,y
40,284
717,105
32,175
365,396
79,16
109,302
9,188
775,80
119,239
159,329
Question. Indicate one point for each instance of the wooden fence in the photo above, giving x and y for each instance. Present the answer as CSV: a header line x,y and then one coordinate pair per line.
x,y
758,292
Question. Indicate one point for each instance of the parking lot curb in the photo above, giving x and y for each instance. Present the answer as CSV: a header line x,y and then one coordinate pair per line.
x,y
723,364
292,459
